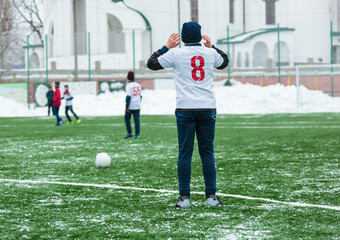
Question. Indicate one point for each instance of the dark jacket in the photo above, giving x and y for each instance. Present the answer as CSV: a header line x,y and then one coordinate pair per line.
x,y
50,96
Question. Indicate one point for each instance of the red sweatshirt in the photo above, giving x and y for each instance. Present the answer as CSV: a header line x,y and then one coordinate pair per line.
x,y
57,98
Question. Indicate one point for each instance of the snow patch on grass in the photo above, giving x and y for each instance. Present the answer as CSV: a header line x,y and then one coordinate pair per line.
x,y
24,228
134,230
245,231
53,201
5,211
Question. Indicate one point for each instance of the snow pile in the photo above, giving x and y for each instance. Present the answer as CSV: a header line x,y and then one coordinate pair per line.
x,y
237,99
247,98
11,108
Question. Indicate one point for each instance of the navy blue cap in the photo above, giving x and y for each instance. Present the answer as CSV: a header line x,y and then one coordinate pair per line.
x,y
191,32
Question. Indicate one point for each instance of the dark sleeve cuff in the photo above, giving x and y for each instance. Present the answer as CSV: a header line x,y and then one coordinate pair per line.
x,y
127,101
224,56
164,49
213,46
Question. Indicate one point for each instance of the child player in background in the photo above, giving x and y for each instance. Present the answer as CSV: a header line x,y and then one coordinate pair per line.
x,y
68,105
133,99
57,103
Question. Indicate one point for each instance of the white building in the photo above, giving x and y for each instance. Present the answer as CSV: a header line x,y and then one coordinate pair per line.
x,y
111,24
304,31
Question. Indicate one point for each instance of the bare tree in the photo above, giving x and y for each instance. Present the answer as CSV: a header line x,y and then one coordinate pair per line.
x,y
7,29
29,12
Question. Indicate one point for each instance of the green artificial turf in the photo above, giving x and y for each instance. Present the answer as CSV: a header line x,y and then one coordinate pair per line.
x,y
285,157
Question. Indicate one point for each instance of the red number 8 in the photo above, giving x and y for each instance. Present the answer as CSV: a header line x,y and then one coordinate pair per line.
x,y
197,68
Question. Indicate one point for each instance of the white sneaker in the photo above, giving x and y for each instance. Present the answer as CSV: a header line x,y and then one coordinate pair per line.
x,y
213,201
183,202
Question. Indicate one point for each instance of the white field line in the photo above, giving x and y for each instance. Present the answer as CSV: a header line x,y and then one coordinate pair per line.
x,y
295,204
278,127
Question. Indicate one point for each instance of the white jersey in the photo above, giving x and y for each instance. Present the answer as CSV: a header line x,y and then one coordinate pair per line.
x,y
68,98
134,90
193,75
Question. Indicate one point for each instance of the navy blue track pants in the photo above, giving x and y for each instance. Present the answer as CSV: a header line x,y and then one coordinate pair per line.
x,y
70,108
127,117
201,123
56,113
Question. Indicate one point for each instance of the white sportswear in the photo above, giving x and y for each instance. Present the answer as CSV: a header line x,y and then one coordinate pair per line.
x,y
193,75
134,90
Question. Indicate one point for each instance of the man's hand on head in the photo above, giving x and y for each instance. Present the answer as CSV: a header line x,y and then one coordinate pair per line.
x,y
173,41
207,41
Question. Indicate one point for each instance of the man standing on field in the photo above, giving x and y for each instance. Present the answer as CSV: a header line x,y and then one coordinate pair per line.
x,y
196,106
132,107
49,96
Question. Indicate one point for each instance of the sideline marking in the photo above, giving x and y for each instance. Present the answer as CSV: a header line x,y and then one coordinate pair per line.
x,y
280,127
295,204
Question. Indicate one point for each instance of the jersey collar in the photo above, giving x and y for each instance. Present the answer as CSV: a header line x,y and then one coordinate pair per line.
x,y
195,44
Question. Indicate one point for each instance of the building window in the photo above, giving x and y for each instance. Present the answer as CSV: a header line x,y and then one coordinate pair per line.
x,y
270,12
116,38
284,54
239,59
336,54
231,11
260,55
34,61
194,10
246,62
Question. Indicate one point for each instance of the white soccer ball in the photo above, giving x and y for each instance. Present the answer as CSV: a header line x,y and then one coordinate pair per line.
x,y
103,160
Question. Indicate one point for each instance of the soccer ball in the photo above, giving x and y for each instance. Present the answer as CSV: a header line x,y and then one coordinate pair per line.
x,y
103,160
